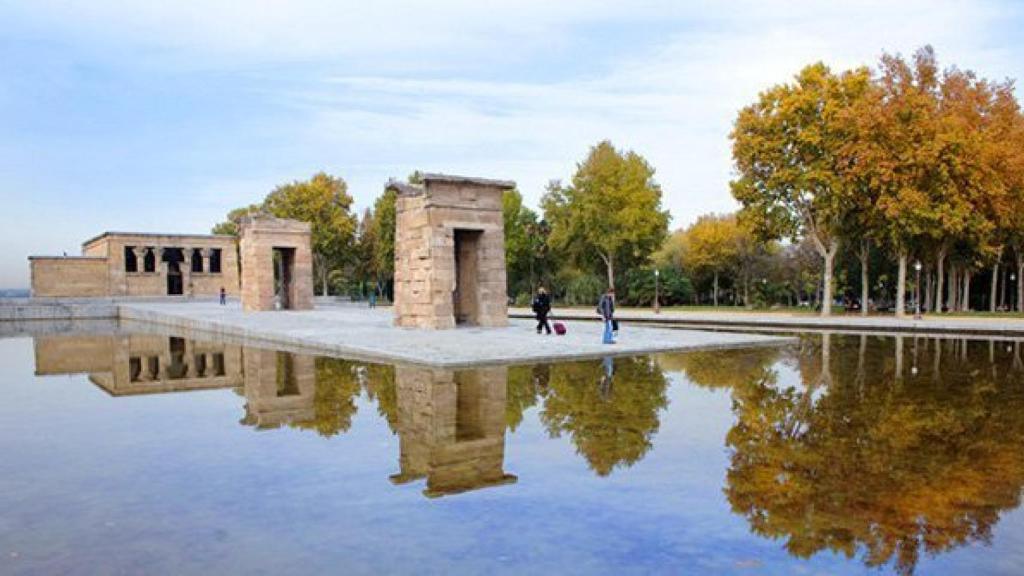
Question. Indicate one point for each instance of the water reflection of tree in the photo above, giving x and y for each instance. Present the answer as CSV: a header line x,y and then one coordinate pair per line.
x,y
613,429
338,385
379,381
722,368
884,462
525,385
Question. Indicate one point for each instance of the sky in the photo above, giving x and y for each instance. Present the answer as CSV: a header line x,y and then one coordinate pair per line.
x,y
162,116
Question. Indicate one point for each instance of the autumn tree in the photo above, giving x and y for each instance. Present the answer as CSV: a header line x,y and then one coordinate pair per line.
x,y
786,149
611,212
711,246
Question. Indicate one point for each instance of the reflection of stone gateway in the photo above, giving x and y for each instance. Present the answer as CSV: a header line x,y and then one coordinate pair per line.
x,y
450,252
279,387
451,426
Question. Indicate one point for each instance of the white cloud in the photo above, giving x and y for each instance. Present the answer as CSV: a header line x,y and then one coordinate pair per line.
x,y
512,89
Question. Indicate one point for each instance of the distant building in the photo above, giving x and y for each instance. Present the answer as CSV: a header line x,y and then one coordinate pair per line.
x,y
136,264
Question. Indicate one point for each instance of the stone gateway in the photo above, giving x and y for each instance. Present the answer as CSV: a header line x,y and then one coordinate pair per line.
x,y
277,263
450,252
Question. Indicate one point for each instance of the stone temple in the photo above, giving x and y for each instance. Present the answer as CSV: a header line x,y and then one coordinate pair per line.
x,y
450,252
137,264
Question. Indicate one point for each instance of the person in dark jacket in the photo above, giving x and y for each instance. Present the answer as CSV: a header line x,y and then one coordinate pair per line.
x,y
606,308
541,308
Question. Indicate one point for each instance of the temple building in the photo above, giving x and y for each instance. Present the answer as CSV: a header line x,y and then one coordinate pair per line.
x,y
135,264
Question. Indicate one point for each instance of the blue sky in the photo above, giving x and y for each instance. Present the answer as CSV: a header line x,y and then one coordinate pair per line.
x,y
134,116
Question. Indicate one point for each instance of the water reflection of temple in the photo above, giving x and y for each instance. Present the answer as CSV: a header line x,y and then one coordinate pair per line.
x,y
451,424
451,427
125,365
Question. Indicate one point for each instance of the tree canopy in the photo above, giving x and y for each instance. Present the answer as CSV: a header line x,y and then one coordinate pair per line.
x,y
611,213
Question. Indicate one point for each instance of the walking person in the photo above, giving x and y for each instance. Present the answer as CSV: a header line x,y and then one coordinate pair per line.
x,y
223,296
373,299
541,308
606,308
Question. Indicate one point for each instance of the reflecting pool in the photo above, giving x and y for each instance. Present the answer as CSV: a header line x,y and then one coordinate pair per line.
x,y
833,454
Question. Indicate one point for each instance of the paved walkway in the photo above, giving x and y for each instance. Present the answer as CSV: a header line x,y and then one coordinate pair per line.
x,y
781,320
358,332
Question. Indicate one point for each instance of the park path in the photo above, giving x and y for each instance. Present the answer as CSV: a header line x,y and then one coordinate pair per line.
x,y
986,326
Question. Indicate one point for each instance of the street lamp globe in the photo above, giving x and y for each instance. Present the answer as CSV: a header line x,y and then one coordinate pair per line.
x,y
917,266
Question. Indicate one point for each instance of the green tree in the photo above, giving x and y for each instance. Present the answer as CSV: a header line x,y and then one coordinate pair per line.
x,y
521,243
324,202
230,225
787,150
610,214
383,231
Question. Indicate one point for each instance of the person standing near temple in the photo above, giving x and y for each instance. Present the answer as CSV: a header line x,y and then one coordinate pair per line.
x,y
606,309
541,308
223,296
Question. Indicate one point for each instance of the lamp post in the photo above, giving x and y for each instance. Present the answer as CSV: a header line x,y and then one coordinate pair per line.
x,y
657,300
917,291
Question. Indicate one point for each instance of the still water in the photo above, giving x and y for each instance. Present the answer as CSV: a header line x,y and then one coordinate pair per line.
x,y
147,454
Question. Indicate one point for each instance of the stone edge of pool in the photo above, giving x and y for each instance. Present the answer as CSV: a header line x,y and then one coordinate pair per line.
x,y
322,331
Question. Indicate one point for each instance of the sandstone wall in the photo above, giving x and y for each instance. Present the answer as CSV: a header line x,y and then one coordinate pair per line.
x,y
69,277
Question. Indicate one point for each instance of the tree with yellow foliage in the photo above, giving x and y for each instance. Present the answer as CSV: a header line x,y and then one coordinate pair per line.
x,y
787,150
710,246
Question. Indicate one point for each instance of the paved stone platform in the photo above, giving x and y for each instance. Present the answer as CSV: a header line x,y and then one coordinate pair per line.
x,y
358,332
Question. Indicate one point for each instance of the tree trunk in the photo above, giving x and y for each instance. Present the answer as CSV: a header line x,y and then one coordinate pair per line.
x,y
901,286
940,263
610,265
1020,279
826,296
929,282
953,289
994,296
965,304
715,290
1005,283
746,288
865,287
